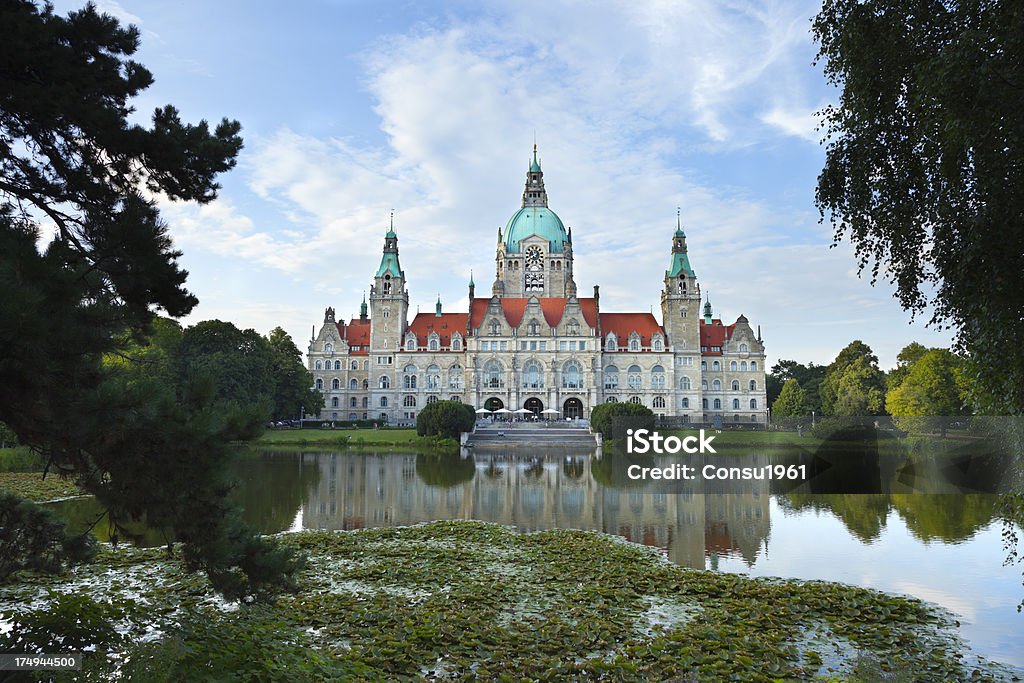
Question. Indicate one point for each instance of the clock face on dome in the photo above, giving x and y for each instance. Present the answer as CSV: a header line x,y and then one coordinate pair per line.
x,y
534,256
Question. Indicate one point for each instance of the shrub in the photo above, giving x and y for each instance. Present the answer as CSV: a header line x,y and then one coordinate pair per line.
x,y
445,418
605,417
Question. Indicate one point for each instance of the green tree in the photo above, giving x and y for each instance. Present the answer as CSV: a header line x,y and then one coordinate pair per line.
x,y
910,354
445,418
859,389
791,402
864,389
69,156
809,376
922,170
603,417
292,381
930,392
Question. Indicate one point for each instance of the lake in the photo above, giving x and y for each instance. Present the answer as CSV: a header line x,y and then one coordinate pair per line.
x,y
943,548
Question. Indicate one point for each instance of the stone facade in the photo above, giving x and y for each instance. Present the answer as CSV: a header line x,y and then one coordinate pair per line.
x,y
535,344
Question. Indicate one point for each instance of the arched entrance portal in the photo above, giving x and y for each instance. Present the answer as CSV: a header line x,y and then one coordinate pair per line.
x,y
493,404
534,405
573,408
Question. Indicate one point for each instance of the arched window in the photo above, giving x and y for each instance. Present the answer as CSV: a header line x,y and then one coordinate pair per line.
x,y
658,377
409,401
433,344
634,342
735,385
743,366
385,382
743,348
431,399
352,402
366,365
634,378
493,328
716,385
366,384
383,401
456,342
733,366
334,402
337,365
684,383
716,366
387,287
611,343
636,399
753,365
366,402
572,327
410,342
686,403
533,375
659,402
353,384
611,377
611,399
533,329
718,404
319,365
433,378
409,376
703,365
753,385
705,402
328,348
753,404
494,375
455,377
704,385
657,344
572,375
735,404
319,384
354,365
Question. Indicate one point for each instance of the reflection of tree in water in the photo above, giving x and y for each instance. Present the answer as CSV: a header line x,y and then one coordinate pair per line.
x,y
864,515
81,514
444,470
534,469
949,517
270,487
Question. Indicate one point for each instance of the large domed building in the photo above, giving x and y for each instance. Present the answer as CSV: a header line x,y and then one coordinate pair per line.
x,y
534,344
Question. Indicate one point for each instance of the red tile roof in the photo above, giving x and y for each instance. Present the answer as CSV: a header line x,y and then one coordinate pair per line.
x,y
514,308
715,334
356,333
624,324
425,323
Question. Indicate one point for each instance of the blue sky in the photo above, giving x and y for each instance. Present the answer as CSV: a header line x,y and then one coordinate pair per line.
x,y
351,109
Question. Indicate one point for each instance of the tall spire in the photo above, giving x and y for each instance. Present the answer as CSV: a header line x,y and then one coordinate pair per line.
x,y
707,310
437,310
362,309
535,194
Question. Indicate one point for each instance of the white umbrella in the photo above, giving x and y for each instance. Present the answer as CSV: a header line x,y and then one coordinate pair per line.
x,y
482,411
503,410
523,411
549,411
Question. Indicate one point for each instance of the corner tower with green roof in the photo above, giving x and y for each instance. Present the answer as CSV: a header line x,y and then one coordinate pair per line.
x,y
680,297
534,254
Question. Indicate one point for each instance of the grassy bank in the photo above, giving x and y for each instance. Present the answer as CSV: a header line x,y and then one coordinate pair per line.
x,y
354,438
474,601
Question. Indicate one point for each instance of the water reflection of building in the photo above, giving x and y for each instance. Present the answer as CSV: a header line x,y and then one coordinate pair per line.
x,y
534,493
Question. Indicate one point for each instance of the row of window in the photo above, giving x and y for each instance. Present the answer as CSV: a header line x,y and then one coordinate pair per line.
x,y
659,402
353,365
533,327
611,343
733,366
433,343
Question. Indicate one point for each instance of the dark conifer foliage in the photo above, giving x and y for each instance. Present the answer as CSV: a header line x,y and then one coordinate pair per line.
x,y
72,163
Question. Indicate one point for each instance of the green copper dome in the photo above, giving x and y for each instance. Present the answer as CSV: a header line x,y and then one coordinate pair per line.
x,y
535,220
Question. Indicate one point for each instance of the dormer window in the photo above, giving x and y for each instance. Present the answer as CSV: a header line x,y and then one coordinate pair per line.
x,y
611,343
